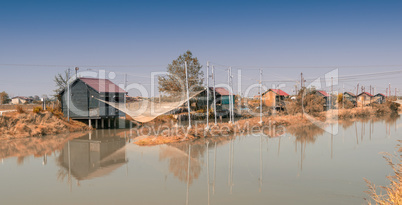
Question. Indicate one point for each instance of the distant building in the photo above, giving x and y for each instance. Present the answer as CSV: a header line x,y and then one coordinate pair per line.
x,y
379,98
364,99
350,97
21,100
222,96
324,95
84,103
274,98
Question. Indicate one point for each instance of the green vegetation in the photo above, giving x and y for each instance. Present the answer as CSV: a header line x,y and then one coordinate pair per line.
x,y
4,98
174,83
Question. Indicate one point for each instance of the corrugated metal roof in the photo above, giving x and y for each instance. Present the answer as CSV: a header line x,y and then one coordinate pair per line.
x,y
102,85
380,94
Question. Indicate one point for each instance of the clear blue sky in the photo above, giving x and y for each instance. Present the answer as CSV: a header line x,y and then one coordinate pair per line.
x,y
145,36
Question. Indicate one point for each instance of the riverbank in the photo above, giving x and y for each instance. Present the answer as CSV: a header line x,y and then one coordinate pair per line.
x,y
273,126
28,124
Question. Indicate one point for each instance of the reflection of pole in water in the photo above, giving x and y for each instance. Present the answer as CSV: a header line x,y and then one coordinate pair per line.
x,y
357,138
44,162
208,169
230,161
279,145
188,172
371,122
213,183
231,169
361,132
332,140
301,156
69,165
259,190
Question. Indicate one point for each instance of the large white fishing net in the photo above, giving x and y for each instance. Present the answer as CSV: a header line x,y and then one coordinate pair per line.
x,y
145,110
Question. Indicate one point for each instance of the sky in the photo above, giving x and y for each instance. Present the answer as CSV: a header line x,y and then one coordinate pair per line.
x,y
285,38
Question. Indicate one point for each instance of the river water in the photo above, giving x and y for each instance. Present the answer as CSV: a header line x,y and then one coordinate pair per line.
x,y
303,166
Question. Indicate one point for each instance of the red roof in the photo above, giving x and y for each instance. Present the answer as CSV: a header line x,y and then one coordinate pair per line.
x,y
279,92
366,94
323,93
102,85
221,90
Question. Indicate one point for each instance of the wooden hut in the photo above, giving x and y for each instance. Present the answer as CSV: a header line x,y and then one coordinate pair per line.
x,y
324,95
379,98
222,96
274,98
364,99
350,97
84,103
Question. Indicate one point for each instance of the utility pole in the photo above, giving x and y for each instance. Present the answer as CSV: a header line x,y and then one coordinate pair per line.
x,y
207,96
357,89
230,110
213,77
68,95
301,80
125,98
343,96
332,93
188,96
386,92
231,94
371,97
389,90
260,96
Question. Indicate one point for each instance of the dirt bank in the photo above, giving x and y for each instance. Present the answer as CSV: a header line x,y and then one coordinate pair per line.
x,y
23,125
272,126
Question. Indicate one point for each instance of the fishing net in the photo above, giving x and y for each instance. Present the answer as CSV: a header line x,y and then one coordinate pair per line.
x,y
145,109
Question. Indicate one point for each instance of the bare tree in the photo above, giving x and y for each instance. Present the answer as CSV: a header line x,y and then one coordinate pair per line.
x,y
61,82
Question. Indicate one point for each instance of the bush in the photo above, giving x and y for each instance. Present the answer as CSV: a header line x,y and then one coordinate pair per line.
x,y
37,110
393,192
19,109
310,103
394,107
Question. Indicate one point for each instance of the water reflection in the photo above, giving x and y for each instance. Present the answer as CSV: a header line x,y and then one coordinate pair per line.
x,y
212,170
90,156
35,146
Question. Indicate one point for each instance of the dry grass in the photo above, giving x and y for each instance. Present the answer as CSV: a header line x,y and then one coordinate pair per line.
x,y
393,192
22,125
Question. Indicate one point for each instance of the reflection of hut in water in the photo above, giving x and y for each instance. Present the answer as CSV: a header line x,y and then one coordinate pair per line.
x,y
177,155
305,133
88,158
178,160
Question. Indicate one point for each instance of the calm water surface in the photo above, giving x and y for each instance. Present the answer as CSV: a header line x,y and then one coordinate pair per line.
x,y
304,166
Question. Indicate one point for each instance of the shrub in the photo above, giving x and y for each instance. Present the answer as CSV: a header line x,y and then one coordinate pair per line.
x,y
37,109
393,191
19,109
